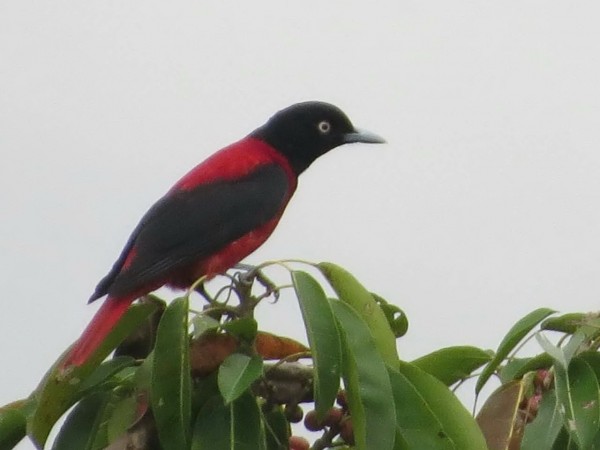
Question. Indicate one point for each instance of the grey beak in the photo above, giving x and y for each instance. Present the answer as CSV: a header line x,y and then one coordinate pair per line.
x,y
364,136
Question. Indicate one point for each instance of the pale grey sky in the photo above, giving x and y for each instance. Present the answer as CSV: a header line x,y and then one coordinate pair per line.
x,y
483,206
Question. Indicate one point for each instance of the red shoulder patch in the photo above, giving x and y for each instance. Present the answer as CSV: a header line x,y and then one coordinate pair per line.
x,y
235,161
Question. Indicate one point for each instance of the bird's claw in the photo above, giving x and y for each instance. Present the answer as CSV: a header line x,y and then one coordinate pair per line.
x,y
250,273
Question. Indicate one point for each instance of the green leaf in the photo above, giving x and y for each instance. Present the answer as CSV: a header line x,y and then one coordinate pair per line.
x,y
103,372
171,381
367,382
203,389
518,367
564,442
122,416
563,355
244,328
237,426
277,429
248,428
458,424
60,389
237,373
576,343
518,331
418,426
397,319
323,338
452,364
593,359
566,323
578,392
12,427
201,323
543,431
213,427
556,353
350,291
399,442
81,429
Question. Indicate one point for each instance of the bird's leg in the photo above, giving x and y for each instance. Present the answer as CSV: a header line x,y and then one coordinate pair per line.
x,y
251,273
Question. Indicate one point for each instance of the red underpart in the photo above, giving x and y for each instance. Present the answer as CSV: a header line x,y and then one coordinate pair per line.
x,y
225,258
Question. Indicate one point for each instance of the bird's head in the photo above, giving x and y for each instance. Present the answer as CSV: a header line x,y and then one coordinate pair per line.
x,y
305,131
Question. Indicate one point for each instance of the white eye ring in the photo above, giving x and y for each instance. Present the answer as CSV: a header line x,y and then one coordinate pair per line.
x,y
324,126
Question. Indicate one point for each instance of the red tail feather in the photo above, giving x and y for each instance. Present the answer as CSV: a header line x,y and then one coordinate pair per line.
x,y
102,323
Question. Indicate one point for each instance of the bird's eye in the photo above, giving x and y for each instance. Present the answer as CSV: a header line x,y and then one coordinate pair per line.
x,y
324,127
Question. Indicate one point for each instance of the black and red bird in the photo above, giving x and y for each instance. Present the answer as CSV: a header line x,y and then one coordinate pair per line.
x,y
218,213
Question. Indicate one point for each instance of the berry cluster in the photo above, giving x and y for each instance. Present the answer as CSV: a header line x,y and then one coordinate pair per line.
x,y
337,422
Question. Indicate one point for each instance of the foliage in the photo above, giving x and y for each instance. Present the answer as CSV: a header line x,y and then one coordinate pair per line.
x,y
550,401
211,379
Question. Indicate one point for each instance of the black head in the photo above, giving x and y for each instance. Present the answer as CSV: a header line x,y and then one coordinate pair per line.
x,y
305,131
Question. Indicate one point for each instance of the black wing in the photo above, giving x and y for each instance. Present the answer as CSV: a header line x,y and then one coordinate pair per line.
x,y
188,226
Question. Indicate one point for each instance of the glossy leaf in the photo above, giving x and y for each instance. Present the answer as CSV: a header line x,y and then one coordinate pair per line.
x,y
143,375
576,389
248,429
203,390
499,417
12,427
593,359
244,328
564,442
581,400
237,373
417,424
458,424
323,337
277,429
510,341
201,323
399,442
122,416
367,382
578,342
518,367
212,429
543,431
104,371
171,381
350,291
237,426
566,323
81,429
556,353
563,355
396,318
60,389
452,364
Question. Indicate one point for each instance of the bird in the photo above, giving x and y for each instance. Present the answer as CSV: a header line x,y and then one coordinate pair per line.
x,y
218,213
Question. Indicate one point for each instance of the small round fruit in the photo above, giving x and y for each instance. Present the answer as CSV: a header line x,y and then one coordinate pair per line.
x,y
333,417
311,422
298,443
293,413
347,432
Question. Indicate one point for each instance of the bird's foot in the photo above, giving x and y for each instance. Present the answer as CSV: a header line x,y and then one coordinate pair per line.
x,y
250,273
